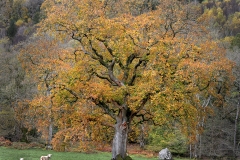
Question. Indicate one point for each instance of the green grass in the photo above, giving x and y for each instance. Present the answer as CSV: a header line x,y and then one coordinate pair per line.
x,y
35,154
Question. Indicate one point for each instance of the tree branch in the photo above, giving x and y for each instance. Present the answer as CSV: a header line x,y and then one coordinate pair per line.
x,y
135,72
100,57
141,105
111,75
104,42
105,107
102,77
62,86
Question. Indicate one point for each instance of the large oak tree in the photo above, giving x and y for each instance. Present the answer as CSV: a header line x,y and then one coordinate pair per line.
x,y
129,62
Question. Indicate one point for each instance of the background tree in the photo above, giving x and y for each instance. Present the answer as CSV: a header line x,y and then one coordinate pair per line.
x,y
218,138
41,62
12,91
221,134
223,16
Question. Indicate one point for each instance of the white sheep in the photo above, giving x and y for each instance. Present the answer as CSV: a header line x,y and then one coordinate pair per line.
x,y
21,159
46,157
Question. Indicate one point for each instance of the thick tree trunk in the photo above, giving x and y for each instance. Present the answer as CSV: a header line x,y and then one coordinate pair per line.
x,y
119,146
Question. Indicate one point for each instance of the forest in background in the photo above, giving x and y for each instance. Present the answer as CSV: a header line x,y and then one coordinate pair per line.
x,y
219,133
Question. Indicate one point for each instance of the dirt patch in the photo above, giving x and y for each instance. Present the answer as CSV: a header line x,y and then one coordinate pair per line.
x,y
132,149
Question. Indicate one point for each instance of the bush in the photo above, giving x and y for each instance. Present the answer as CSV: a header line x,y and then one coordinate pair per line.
x,y
5,142
24,145
19,23
160,137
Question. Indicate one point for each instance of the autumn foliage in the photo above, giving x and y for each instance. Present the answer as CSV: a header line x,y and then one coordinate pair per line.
x,y
117,62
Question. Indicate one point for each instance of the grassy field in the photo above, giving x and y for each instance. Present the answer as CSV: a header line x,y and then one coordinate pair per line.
x,y
34,154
